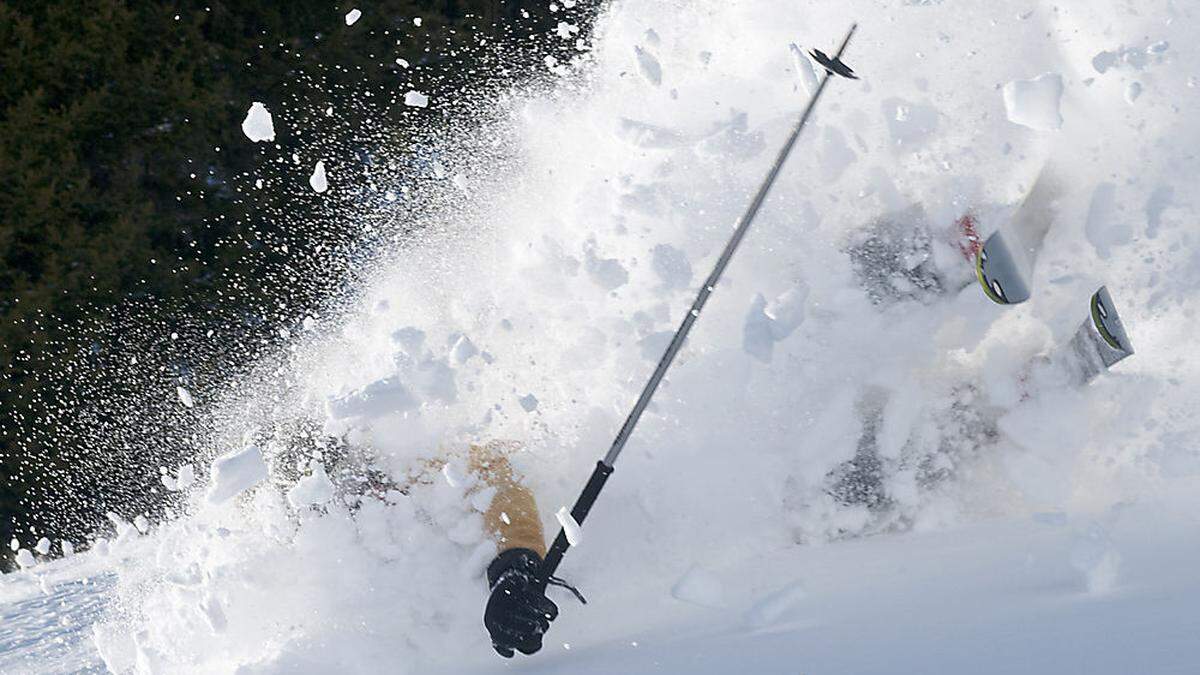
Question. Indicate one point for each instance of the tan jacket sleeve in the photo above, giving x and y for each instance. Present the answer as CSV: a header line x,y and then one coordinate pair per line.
x,y
513,517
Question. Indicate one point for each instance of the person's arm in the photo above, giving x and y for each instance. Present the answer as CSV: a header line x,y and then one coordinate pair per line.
x,y
518,612
512,518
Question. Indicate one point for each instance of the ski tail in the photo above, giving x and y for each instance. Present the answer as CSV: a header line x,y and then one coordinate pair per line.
x,y
1004,262
1001,271
1100,341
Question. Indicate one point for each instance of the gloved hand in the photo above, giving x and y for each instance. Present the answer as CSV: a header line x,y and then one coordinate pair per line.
x,y
518,613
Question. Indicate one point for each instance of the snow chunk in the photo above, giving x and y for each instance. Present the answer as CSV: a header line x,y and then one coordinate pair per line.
x,y
699,587
43,546
402,63
569,526
529,402
185,397
1035,103
68,548
14,545
379,398
311,490
417,21
416,99
648,66
25,559
352,16
318,180
141,524
804,69
235,472
258,125
1133,91
463,349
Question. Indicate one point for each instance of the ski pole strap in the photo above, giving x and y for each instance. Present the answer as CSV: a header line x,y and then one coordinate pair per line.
x,y
579,512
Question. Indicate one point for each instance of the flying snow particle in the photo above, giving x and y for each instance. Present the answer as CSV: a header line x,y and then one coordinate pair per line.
x,y
417,21
43,546
258,184
566,30
569,526
185,397
318,180
185,477
416,99
352,16
402,63
14,545
235,472
311,490
25,559
258,125
1035,103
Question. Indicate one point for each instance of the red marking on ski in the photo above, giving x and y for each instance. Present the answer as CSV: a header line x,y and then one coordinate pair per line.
x,y
969,243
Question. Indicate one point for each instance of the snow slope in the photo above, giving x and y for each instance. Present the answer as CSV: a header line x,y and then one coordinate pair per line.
x,y
1060,536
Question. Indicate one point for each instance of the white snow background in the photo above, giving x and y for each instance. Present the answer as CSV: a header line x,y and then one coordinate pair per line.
x,y
535,305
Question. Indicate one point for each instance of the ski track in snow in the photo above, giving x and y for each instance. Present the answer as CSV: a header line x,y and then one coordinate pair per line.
x,y
1026,526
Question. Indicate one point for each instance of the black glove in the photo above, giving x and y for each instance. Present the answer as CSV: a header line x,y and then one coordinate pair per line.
x,y
518,612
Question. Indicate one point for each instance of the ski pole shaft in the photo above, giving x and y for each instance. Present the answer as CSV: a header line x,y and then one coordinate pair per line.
x,y
604,467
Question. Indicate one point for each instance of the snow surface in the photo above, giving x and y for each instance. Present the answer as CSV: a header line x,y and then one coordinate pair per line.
x,y
1062,533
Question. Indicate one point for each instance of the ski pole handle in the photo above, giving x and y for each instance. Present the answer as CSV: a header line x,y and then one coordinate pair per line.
x,y
579,512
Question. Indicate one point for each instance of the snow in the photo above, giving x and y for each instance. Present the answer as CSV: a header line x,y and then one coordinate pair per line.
x,y
528,402
43,546
569,526
25,558
417,22
805,71
317,180
1035,103
648,66
1029,526
313,489
235,472
352,16
700,587
258,125
185,397
416,99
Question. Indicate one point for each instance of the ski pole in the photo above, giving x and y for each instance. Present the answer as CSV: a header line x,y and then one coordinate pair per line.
x,y
604,467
